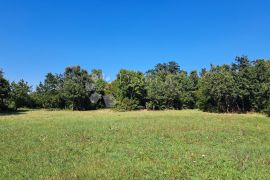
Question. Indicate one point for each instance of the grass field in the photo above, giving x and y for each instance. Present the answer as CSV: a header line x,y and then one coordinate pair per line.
x,y
134,145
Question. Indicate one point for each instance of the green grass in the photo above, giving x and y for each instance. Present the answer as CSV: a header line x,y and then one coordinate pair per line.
x,y
134,145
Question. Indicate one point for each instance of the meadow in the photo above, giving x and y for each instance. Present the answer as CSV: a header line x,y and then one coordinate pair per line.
x,y
103,144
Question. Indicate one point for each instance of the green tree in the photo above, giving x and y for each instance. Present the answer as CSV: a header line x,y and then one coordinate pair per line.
x,y
101,87
49,94
78,88
187,88
164,69
75,95
261,84
99,83
162,93
194,80
245,82
96,74
217,90
130,90
4,92
19,94
168,87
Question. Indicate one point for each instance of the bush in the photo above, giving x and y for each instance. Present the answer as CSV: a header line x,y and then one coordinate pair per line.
x,y
129,90
155,106
128,105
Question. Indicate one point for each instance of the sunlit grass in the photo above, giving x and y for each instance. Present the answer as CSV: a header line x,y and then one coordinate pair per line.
x,y
156,145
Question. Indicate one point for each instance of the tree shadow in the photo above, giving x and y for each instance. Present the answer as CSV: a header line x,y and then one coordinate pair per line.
x,y
18,112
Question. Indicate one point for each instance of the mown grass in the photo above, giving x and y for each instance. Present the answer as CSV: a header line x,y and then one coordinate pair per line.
x,y
134,145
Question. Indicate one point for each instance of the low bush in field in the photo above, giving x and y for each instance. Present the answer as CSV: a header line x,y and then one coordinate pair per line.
x,y
128,105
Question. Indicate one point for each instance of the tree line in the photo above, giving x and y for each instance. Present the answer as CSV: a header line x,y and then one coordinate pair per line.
x,y
242,86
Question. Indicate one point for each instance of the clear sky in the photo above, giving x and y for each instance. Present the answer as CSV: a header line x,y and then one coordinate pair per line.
x,y
40,36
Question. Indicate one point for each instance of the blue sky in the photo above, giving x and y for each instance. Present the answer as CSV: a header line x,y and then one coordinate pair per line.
x,y
37,37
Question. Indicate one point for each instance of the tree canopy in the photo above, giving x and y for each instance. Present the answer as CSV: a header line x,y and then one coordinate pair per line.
x,y
4,92
241,86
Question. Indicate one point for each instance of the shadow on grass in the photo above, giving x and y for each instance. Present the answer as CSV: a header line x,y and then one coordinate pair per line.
x,y
18,112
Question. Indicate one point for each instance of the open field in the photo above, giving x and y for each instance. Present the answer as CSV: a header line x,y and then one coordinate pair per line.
x,y
112,145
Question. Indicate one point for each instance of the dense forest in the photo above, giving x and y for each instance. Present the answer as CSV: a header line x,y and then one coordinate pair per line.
x,y
242,86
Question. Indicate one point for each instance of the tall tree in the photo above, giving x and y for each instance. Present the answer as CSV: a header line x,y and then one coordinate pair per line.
x,y
78,88
244,78
19,94
168,87
164,69
4,92
261,85
130,90
49,93
162,93
194,80
98,81
217,90
96,74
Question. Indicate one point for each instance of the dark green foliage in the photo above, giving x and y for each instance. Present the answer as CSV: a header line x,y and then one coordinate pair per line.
x,y
194,80
217,90
78,87
72,90
243,73
127,104
267,109
162,85
203,72
74,94
99,83
165,69
100,87
20,95
96,74
168,87
49,94
163,92
261,81
4,92
240,87
243,86
130,90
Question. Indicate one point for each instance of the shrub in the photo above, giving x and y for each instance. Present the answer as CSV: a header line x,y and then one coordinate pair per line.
x,y
128,105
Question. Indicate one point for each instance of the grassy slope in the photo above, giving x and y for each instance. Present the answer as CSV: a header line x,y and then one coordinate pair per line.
x,y
104,144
